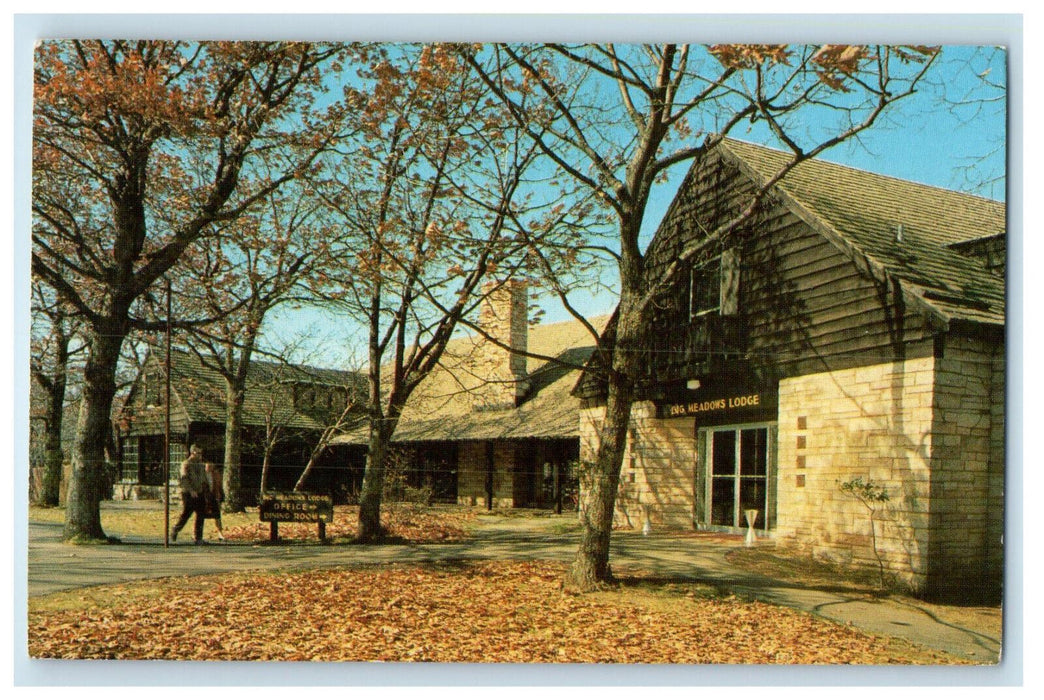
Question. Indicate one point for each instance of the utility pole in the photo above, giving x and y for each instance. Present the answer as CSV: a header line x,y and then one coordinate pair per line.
x,y
166,433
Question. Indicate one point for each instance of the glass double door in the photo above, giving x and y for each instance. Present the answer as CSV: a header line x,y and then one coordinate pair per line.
x,y
738,472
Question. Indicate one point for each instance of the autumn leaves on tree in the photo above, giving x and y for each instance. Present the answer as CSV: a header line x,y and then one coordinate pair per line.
x,y
139,149
421,199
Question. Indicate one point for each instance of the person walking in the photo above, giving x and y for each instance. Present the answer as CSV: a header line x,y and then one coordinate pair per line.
x,y
215,495
193,482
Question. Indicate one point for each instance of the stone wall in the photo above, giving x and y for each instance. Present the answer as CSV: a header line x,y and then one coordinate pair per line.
x,y
871,422
138,492
930,431
657,477
471,474
967,487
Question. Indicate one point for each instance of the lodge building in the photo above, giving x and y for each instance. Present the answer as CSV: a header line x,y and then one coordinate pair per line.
x,y
285,409
853,330
495,424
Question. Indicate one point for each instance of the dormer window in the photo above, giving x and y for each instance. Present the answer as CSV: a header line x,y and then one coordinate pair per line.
x,y
714,286
319,397
705,289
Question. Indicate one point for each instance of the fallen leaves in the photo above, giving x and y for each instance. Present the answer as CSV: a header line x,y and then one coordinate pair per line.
x,y
413,523
450,612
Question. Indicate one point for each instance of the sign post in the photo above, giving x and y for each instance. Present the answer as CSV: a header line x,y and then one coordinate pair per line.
x,y
295,507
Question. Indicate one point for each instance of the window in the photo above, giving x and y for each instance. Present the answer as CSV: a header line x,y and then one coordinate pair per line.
x,y
151,466
704,289
714,286
178,454
304,397
129,460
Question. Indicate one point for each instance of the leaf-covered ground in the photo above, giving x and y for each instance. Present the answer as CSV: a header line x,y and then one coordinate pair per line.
x,y
403,521
461,612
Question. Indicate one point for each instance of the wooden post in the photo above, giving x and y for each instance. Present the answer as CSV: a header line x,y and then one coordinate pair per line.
x,y
273,531
322,530
557,480
166,434
489,475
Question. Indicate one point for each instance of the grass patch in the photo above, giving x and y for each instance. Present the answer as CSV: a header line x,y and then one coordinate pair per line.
x,y
795,567
565,527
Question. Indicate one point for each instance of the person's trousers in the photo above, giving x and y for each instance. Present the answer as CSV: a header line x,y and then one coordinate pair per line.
x,y
189,505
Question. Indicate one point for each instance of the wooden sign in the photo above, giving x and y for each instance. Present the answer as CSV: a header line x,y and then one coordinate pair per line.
x,y
296,507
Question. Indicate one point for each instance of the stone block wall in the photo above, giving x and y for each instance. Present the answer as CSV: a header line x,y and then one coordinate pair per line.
x,y
967,488
139,492
872,422
657,477
471,474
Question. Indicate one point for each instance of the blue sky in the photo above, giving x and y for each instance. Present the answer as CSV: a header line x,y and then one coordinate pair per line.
x,y
950,134
923,140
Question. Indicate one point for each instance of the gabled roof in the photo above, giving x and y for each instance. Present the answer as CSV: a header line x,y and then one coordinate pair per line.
x,y
861,213
440,409
198,391
941,260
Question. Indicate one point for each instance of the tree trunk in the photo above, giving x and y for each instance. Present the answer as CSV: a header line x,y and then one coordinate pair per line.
x,y
50,492
590,568
51,489
370,529
54,385
264,468
233,477
93,429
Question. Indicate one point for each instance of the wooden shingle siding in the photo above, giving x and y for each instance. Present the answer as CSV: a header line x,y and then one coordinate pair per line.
x,y
800,295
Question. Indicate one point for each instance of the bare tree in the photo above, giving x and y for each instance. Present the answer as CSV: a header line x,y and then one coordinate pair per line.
x,y
418,248
616,119
253,265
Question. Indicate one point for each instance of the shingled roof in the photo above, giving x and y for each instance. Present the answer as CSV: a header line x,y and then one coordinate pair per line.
x,y
441,408
861,213
198,392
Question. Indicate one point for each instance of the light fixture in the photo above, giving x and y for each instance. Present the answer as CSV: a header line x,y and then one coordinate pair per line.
x,y
692,384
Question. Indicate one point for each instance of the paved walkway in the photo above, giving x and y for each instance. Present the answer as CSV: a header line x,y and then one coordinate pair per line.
x,y
55,566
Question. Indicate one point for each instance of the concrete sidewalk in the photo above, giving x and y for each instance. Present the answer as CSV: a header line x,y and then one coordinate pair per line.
x,y
56,566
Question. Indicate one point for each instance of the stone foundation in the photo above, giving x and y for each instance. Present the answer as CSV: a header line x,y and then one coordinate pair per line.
x,y
138,492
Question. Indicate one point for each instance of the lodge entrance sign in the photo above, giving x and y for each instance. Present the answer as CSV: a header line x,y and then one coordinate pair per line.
x,y
695,408
295,507
722,406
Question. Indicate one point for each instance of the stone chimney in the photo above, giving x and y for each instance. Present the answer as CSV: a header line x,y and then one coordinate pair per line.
x,y
504,315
